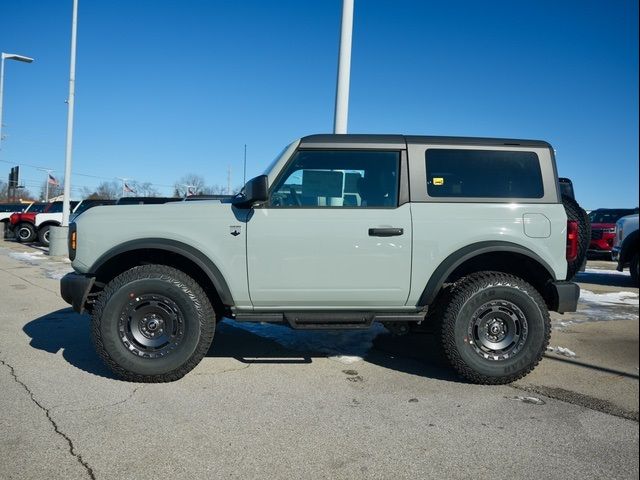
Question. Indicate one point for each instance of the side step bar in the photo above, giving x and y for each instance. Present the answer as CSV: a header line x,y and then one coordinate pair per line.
x,y
330,320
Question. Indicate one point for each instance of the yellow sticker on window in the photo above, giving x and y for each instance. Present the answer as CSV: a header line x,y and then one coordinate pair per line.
x,y
438,181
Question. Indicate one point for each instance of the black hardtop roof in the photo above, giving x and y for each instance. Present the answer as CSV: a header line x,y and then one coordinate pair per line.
x,y
342,139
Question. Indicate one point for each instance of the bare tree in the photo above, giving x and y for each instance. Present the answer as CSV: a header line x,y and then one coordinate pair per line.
x,y
107,191
145,189
189,184
3,191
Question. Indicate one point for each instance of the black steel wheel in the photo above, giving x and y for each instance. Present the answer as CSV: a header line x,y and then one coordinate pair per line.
x,y
25,232
495,327
152,323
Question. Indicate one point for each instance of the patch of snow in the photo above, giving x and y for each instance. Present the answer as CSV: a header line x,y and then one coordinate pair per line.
x,y
346,359
565,352
604,271
609,298
29,257
56,274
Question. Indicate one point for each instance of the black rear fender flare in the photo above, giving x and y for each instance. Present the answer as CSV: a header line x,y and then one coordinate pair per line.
x,y
459,257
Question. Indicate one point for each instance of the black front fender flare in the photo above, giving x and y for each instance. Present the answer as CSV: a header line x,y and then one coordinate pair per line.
x,y
173,246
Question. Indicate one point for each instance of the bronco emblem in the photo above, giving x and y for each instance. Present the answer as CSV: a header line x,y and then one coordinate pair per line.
x,y
235,230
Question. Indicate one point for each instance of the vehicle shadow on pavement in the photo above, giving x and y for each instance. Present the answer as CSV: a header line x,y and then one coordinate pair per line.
x,y
416,354
606,279
67,331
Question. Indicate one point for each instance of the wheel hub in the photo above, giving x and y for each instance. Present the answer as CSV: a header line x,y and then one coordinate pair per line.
x,y
498,330
151,325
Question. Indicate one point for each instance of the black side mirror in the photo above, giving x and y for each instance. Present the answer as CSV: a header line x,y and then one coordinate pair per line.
x,y
256,190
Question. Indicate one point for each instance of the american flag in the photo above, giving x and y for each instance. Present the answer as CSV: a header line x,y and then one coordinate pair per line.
x,y
52,180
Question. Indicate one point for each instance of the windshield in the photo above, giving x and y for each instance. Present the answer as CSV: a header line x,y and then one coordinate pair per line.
x,y
37,208
278,157
610,216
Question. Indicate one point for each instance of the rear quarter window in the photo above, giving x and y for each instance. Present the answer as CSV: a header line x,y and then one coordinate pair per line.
x,y
463,173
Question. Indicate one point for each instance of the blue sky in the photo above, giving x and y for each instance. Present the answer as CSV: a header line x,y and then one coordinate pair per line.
x,y
166,88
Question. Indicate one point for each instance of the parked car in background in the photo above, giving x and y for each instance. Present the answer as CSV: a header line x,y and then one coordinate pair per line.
x,y
626,245
23,223
603,228
53,218
6,209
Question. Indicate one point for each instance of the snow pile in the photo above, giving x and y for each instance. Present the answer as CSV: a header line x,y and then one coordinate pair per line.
x,y
29,257
610,298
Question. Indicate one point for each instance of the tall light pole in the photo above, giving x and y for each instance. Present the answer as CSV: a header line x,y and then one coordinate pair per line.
x,y
58,235
8,56
344,69
66,205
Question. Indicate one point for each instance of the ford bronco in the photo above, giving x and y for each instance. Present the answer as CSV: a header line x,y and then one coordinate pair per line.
x,y
467,234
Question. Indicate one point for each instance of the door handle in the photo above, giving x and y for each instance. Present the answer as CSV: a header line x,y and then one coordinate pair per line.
x,y
385,232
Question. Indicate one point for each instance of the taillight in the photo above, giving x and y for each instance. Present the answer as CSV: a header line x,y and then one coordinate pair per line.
x,y
572,240
73,241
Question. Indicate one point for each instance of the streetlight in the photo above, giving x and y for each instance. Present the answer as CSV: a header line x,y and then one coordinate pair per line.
x,y
58,235
344,69
8,56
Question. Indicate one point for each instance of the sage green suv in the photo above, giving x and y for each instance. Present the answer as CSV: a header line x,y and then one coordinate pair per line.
x,y
467,234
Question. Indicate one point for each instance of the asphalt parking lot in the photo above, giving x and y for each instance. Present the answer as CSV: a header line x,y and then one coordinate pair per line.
x,y
269,402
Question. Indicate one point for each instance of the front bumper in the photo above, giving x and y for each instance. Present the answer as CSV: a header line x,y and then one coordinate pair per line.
x,y
565,296
75,289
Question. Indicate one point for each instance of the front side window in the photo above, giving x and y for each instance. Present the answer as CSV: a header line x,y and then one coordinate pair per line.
x,y
483,174
339,178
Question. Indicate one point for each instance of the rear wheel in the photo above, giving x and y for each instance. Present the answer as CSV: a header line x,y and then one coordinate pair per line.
x,y
152,323
494,328
577,214
25,232
43,235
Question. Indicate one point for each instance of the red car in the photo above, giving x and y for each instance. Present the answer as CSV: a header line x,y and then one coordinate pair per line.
x,y
603,228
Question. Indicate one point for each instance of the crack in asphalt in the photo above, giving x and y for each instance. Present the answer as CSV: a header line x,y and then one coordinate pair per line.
x,y
72,449
97,407
225,371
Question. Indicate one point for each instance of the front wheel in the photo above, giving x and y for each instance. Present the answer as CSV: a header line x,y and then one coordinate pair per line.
x,y
152,323
495,328
25,232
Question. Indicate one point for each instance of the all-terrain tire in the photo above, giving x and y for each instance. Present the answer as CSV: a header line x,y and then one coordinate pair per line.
x,y
43,235
121,324
576,213
25,232
505,298
633,269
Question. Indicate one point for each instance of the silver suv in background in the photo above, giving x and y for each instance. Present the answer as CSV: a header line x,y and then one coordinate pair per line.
x,y
626,245
468,234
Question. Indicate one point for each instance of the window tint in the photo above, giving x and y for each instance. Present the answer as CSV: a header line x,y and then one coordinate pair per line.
x,y
339,178
13,207
610,216
483,173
